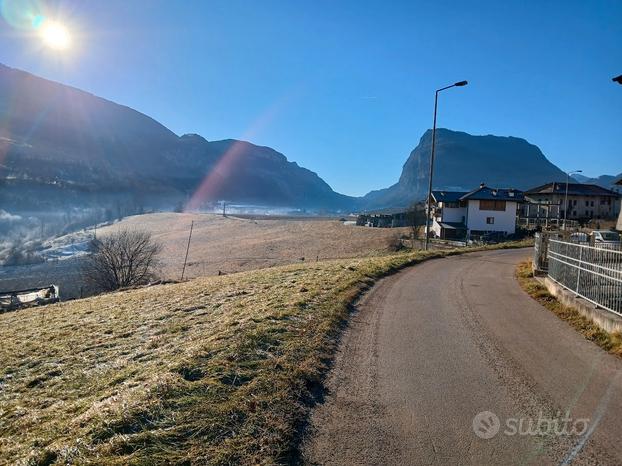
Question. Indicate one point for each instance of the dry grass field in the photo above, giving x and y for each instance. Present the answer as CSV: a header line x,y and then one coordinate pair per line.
x,y
219,244
217,370
234,244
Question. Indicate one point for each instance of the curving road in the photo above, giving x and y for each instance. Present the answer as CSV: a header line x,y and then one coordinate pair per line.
x,y
433,346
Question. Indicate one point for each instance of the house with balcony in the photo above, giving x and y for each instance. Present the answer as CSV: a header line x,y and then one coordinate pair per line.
x,y
585,201
460,215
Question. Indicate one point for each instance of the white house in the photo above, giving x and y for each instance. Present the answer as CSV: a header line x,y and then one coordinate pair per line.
x,y
460,215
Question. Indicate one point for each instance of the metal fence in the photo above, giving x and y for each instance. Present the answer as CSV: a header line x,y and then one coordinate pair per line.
x,y
594,273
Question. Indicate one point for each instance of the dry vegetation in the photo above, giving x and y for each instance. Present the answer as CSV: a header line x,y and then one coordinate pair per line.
x,y
233,244
611,342
218,370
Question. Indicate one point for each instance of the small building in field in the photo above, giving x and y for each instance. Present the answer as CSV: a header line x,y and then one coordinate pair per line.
x,y
460,215
585,201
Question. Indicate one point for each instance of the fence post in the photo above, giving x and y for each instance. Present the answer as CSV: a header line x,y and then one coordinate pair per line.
x,y
579,269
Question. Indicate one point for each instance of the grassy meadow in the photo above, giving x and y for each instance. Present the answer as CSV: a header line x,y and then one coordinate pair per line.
x,y
217,370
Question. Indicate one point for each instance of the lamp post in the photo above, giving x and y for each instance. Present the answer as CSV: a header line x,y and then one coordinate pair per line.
x,y
566,196
427,213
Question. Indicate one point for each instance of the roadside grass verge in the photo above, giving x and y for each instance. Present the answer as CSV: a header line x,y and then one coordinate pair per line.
x,y
611,342
217,370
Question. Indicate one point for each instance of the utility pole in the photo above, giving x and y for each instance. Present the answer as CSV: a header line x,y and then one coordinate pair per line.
x,y
224,208
187,249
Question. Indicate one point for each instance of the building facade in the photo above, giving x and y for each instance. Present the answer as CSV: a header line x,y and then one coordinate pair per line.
x,y
461,215
585,201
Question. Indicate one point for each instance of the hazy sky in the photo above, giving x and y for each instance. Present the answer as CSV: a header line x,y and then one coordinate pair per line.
x,y
346,88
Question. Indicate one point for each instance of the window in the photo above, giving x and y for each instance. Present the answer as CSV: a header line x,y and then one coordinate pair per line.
x,y
451,205
591,203
490,220
492,205
587,203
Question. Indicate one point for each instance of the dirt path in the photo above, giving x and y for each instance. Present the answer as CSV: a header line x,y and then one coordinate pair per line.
x,y
435,345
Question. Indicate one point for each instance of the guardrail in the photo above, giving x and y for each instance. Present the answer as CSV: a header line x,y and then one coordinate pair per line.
x,y
594,273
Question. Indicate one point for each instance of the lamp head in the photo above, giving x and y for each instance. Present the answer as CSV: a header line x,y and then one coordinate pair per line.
x,y
461,83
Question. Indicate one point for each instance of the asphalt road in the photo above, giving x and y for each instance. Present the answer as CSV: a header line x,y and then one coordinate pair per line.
x,y
436,344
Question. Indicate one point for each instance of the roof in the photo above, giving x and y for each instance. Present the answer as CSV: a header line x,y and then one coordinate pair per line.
x,y
484,193
447,196
574,189
619,181
481,193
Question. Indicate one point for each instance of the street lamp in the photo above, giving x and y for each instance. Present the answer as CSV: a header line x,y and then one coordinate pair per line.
x,y
617,79
566,196
427,214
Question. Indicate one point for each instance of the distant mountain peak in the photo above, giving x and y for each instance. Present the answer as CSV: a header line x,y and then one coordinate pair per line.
x,y
462,161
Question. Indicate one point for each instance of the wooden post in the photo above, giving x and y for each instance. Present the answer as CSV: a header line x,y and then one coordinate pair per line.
x,y
187,249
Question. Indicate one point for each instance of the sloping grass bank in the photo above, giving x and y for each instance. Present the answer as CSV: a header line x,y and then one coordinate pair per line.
x,y
611,342
219,370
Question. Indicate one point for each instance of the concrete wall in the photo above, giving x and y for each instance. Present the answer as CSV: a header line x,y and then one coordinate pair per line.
x,y
505,221
436,228
606,320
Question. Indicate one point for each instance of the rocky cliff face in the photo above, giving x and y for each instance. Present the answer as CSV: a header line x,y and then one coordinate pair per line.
x,y
462,162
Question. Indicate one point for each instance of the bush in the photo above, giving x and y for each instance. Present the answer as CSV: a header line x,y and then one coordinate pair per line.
x,y
122,259
394,243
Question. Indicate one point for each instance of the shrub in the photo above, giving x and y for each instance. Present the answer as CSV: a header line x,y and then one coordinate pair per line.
x,y
122,259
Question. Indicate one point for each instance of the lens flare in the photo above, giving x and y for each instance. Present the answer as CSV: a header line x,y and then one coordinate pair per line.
x,y
21,14
210,189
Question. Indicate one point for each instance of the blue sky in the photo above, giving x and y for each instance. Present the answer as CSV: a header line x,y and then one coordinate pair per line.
x,y
346,88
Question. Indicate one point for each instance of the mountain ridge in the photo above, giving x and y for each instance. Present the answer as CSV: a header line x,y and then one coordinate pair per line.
x,y
60,136
463,161
61,145
604,181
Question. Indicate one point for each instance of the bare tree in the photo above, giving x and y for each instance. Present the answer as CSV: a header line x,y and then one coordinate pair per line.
x,y
122,259
416,218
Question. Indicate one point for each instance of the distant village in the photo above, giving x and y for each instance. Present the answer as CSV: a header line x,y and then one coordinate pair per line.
x,y
494,213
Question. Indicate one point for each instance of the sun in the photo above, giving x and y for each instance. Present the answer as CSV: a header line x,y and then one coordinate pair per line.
x,y
55,36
